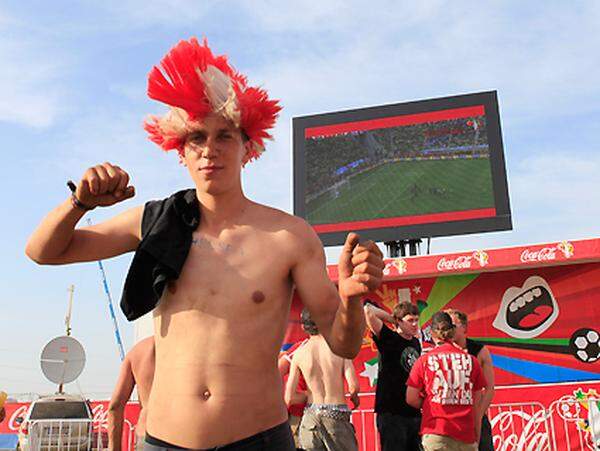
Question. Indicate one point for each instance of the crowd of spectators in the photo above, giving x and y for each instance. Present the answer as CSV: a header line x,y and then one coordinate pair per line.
x,y
357,152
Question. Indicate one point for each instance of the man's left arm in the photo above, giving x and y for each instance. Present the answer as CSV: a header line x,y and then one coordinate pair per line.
x,y
487,368
477,404
291,396
338,315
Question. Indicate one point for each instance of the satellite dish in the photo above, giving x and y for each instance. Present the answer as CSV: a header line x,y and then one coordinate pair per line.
x,y
62,360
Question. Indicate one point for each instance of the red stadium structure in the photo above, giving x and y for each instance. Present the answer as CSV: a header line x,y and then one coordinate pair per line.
x,y
536,307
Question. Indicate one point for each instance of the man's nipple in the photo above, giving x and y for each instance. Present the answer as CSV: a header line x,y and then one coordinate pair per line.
x,y
258,297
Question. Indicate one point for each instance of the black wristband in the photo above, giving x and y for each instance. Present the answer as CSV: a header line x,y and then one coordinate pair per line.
x,y
74,200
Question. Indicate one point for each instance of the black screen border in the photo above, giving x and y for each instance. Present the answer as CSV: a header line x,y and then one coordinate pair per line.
x,y
489,99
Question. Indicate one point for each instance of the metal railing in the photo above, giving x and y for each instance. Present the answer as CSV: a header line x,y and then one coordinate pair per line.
x,y
520,426
575,423
73,435
567,424
54,435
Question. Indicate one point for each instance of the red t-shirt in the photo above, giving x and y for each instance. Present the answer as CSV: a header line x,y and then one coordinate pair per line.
x,y
448,376
296,409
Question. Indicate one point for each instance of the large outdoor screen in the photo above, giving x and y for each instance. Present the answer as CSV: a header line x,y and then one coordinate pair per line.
x,y
404,171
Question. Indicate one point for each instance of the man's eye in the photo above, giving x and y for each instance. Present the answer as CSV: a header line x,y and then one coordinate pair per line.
x,y
197,139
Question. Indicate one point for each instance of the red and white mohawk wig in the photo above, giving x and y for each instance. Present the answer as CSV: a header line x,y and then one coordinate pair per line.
x,y
194,83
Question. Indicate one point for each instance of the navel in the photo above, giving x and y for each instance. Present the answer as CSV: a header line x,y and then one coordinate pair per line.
x,y
206,395
258,297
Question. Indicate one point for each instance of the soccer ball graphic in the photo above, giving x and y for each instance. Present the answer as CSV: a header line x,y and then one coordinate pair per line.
x,y
585,345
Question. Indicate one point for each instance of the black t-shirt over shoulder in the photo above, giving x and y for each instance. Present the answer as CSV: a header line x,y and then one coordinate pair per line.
x,y
397,355
167,228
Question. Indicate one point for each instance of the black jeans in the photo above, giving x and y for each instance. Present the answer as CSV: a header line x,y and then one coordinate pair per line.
x,y
278,438
398,433
486,443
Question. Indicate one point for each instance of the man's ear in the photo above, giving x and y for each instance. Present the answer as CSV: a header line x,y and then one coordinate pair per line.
x,y
182,159
247,152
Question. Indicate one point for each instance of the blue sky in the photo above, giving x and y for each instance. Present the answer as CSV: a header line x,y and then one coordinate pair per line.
x,y
72,94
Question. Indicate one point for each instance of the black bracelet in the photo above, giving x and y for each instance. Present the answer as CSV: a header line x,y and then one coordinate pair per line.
x,y
74,200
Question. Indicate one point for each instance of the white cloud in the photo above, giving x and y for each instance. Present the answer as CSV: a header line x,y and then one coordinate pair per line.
x,y
146,13
539,67
31,93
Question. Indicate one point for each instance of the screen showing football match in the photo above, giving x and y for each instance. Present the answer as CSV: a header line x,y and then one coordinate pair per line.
x,y
425,167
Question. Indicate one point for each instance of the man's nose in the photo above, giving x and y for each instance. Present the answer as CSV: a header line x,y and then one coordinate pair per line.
x,y
210,149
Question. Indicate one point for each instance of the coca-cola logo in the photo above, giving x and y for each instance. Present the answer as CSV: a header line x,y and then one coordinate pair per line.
x,y
100,416
461,262
548,253
543,254
19,412
532,433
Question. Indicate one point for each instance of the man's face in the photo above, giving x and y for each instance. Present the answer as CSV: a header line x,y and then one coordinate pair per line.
x,y
408,325
214,154
460,330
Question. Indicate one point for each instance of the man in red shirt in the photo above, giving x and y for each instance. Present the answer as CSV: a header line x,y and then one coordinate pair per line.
x,y
446,383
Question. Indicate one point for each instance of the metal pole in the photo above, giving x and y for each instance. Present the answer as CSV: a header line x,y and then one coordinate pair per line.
x,y
110,307
71,289
112,312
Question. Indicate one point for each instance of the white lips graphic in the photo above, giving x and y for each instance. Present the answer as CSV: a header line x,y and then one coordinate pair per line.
x,y
515,298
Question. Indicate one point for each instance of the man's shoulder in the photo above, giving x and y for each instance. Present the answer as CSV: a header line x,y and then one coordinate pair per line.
x,y
279,217
141,350
291,230
388,338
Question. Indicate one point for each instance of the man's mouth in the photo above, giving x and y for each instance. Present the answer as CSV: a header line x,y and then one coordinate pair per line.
x,y
530,308
210,169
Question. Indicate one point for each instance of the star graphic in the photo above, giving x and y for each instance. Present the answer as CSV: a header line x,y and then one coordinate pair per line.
x,y
370,371
417,289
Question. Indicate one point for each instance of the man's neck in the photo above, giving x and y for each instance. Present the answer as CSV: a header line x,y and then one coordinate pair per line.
x,y
219,211
405,336
462,342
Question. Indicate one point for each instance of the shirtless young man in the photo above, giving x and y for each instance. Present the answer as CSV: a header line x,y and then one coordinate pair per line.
x,y
326,423
137,369
221,321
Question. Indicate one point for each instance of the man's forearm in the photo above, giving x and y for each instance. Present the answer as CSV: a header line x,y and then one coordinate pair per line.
x,y
380,313
115,428
486,400
298,398
348,329
53,235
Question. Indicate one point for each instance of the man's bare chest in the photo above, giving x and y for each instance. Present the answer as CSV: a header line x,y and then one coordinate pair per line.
x,y
233,273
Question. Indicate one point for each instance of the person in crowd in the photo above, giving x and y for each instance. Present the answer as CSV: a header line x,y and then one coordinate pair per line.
x,y
446,383
398,422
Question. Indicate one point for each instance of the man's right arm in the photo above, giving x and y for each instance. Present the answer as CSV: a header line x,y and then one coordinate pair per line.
x,y
116,406
375,317
353,383
415,385
56,241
